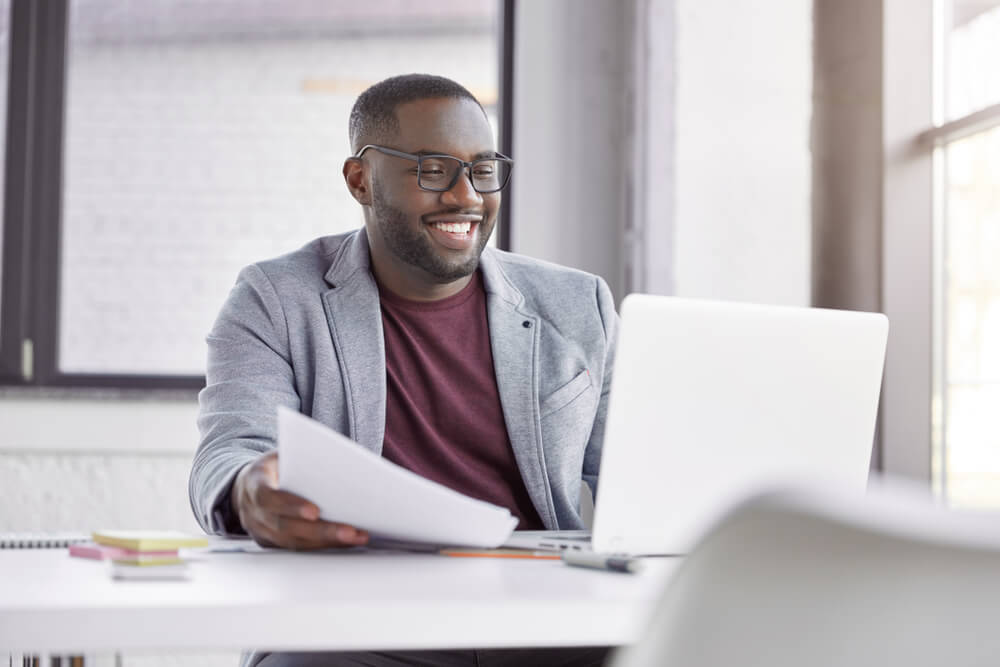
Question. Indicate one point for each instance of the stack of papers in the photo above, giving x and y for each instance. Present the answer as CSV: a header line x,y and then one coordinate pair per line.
x,y
355,486
140,554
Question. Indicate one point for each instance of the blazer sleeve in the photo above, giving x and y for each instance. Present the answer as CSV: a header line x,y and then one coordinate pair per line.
x,y
610,321
248,375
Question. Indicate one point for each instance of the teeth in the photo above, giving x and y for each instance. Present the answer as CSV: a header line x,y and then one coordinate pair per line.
x,y
454,227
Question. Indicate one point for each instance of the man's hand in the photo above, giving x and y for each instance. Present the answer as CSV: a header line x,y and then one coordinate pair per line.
x,y
278,518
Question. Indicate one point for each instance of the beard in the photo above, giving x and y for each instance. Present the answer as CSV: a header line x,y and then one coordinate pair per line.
x,y
412,246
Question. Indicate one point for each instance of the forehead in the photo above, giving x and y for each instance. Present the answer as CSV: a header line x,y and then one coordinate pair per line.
x,y
448,125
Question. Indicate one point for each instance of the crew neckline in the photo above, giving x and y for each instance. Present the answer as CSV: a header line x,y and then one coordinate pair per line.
x,y
453,301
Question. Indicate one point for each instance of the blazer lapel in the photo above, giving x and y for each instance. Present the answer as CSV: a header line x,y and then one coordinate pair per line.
x,y
355,320
514,341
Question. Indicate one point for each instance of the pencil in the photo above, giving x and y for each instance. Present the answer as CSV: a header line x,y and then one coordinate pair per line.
x,y
499,553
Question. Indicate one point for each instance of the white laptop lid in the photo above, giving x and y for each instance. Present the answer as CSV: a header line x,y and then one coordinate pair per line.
x,y
710,400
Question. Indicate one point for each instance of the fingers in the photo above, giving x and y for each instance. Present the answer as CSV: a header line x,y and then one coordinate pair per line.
x,y
302,534
280,502
279,518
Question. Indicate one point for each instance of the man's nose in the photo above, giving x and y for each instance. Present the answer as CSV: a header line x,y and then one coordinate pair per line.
x,y
462,193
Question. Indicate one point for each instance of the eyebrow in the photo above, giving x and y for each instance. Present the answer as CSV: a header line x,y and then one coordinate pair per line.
x,y
477,156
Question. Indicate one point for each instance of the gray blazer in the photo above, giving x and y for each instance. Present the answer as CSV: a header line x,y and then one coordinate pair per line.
x,y
304,330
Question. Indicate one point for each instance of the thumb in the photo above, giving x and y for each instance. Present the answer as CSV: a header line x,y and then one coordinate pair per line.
x,y
267,469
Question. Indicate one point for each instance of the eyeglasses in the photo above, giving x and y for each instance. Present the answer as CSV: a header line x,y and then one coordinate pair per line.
x,y
439,173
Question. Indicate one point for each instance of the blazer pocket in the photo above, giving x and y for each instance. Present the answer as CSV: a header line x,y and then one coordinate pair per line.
x,y
565,394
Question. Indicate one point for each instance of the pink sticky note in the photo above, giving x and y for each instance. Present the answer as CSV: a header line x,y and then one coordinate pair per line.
x,y
101,552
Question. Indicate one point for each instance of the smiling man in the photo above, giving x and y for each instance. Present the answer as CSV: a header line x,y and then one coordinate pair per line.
x,y
479,369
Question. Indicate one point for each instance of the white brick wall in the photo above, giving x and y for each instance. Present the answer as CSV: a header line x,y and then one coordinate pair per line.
x,y
73,491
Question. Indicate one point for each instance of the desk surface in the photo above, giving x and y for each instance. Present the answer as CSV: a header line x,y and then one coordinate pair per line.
x,y
51,602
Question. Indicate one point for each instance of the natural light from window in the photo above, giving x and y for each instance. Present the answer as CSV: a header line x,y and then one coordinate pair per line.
x,y
969,386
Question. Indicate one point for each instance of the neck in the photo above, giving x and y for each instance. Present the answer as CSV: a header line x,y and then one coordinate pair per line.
x,y
414,285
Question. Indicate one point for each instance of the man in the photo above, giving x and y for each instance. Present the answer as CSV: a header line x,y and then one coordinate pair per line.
x,y
482,370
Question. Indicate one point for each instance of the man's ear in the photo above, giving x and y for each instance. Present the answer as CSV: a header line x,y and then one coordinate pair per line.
x,y
356,177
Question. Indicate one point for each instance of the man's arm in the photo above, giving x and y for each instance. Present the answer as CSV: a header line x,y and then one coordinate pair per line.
x,y
610,320
233,485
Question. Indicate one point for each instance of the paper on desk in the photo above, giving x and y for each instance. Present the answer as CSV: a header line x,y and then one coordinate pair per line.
x,y
355,486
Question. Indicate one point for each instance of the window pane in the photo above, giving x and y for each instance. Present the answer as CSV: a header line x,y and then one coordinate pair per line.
x,y
971,293
972,51
202,136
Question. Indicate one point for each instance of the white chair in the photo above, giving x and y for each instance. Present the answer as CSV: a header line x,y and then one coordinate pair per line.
x,y
810,579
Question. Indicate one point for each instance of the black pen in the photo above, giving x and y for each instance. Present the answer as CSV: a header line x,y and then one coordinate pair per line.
x,y
602,561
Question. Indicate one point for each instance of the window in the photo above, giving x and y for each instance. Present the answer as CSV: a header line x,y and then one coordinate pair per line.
x,y
198,137
967,280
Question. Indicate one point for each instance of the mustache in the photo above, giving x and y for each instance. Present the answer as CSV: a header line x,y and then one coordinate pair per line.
x,y
455,211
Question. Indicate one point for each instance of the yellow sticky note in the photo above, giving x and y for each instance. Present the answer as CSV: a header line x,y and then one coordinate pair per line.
x,y
148,540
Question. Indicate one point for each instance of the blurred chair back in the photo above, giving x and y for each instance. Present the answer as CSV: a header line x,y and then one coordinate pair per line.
x,y
799,579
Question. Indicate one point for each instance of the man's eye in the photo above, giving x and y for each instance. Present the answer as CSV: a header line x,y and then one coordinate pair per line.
x,y
483,172
433,171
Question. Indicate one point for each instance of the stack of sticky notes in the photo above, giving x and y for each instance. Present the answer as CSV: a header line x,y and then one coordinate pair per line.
x,y
140,554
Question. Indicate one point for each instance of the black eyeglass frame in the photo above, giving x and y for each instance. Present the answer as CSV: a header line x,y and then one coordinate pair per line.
x,y
418,158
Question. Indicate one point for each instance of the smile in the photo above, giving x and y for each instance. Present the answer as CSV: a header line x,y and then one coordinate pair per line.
x,y
453,227
455,232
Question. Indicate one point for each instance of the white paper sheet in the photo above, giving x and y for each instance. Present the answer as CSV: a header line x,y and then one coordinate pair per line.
x,y
355,486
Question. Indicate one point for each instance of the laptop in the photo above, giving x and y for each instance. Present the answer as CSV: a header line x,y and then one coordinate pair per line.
x,y
711,401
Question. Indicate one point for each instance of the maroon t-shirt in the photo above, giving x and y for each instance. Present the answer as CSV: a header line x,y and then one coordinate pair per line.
x,y
443,418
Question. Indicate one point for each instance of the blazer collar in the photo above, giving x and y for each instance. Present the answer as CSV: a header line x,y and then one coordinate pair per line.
x,y
496,281
351,258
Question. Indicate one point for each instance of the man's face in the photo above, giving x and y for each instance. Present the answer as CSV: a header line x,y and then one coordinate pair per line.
x,y
432,238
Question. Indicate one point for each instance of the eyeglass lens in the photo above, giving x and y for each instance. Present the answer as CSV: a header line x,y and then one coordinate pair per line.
x,y
439,173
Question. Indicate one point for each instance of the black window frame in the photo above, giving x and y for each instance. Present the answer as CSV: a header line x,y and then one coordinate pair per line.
x,y
32,206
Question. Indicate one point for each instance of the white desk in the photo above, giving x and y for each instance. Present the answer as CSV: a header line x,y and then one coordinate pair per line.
x,y
52,603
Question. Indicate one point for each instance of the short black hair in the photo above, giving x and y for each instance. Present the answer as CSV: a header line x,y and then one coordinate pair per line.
x,y
374,113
